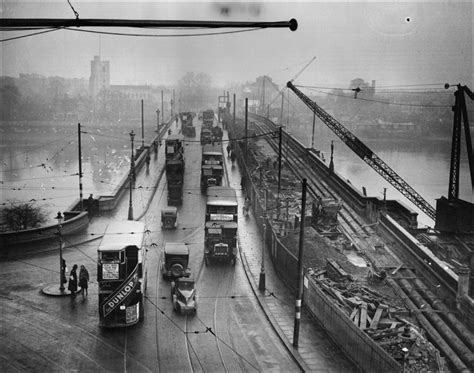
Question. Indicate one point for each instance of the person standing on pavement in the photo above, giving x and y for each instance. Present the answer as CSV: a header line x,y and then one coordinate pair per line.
x,y
72,286
84,280
148,159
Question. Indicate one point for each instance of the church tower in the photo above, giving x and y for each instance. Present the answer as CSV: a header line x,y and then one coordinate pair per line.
x,y
100,76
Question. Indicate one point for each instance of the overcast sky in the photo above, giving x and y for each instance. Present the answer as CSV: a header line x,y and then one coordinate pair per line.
x,y
394,43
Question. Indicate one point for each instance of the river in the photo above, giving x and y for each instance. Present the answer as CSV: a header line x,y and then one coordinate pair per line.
x,y
423,163
40,161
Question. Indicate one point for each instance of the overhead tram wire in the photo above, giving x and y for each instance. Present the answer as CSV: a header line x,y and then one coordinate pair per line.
x,y
162,35
375,101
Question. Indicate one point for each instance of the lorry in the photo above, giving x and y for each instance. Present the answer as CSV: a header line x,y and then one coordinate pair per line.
x,y
206,136
187,127
220,229
174,166
217,134
212,166
175,261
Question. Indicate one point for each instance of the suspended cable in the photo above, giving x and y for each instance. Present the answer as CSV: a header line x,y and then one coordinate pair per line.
x,y
377,101
160,35
28,35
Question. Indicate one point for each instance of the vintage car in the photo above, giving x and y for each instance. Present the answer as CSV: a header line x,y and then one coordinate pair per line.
x,y
175,260
169,217
183,295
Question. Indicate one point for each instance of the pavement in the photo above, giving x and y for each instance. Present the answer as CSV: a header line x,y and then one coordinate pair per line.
x,y
315,351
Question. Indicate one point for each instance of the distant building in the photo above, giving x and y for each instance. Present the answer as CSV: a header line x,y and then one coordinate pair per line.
x,y
100,76
132,92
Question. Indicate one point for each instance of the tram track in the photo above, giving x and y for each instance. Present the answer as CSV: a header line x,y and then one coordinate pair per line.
x,y
297,159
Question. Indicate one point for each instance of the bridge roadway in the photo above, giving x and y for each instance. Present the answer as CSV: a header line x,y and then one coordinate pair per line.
x,y
236,328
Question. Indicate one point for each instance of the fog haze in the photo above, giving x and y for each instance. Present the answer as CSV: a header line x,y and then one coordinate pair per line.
x,y
396,43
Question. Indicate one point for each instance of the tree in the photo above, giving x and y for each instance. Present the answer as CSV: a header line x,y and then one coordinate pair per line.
x,y
10,98
196,89
23,216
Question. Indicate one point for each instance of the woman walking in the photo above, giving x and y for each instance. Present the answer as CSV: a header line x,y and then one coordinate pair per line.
x,y
72,286
84,280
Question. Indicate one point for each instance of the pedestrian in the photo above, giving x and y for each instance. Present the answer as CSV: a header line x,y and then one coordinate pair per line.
x,y
232,156
242,183
228,149
83,280
63,271
72,286
90,205
148,159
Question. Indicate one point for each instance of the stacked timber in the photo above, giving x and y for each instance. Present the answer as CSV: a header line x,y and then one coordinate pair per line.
x,y
380,317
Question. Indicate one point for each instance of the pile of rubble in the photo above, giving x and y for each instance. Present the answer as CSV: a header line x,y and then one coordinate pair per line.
x,y
382,318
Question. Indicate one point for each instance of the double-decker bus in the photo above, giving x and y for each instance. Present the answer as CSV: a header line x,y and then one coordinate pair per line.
x,y
220,231
121,274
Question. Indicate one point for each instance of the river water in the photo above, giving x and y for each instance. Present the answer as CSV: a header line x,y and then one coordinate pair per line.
x,y
423,163
39,162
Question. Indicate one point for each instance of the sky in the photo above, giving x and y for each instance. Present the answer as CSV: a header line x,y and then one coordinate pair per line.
x,y
393,43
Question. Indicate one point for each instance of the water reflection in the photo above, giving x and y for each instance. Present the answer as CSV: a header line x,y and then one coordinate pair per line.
x,y
39,161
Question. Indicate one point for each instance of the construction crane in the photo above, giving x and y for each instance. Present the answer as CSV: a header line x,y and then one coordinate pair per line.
x,y
367,155
460,113
303,69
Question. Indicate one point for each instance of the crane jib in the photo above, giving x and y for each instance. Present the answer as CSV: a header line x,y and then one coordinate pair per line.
x,y
366,154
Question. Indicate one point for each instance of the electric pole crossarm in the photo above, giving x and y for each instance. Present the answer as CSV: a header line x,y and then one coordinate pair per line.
x,y
366,154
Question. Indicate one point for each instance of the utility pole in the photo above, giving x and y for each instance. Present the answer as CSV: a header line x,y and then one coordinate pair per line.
x,y
263,92
261,281
314,123
81,204
233,117
331,162
280,132
157,120
246,128
268,111
162,109
143,128
173,104
131,179
281,111
299,296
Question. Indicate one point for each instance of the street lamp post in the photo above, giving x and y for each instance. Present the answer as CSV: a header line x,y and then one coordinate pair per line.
x,y
131,179
61,269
